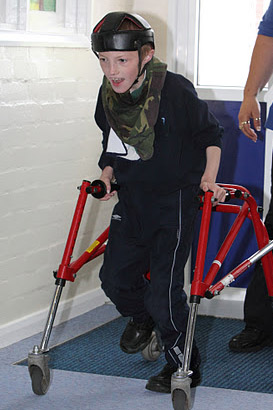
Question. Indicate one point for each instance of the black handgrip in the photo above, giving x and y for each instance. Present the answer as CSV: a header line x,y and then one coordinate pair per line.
x,y
228,196
98,190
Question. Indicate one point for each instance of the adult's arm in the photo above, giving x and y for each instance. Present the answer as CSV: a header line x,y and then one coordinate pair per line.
x,y
260,71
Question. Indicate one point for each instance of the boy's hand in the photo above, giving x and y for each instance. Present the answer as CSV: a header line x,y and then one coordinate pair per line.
x,y
106,177
219,193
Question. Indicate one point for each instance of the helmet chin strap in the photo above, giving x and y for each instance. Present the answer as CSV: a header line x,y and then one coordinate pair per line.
x,y
138,76
140,71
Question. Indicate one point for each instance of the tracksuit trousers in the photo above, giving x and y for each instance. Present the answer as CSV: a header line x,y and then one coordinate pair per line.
x,y
152,232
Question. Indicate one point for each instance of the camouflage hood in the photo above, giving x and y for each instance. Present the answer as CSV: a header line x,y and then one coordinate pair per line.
x,y
132,119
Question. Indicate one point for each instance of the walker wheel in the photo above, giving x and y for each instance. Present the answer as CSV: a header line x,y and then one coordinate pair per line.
x,y
152,351
40,383
179,399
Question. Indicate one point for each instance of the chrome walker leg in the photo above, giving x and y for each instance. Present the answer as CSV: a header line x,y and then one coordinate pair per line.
x,y
38,359
181,381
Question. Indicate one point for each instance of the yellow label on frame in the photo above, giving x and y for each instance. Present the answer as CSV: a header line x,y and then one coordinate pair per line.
x,y
94,244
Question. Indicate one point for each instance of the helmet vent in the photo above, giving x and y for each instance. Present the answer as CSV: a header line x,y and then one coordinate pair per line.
x,y
129,24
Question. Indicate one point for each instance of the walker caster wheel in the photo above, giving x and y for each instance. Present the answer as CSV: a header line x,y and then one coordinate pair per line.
x,y
152,351
179,399
40,383
39,371
180,390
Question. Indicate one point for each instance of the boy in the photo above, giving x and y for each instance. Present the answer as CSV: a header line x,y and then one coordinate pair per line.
x,y
161,145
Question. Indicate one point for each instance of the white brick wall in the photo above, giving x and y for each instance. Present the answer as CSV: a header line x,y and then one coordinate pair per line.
x,y
49,144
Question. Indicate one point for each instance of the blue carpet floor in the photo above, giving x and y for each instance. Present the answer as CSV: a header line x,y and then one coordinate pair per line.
x,y
98,352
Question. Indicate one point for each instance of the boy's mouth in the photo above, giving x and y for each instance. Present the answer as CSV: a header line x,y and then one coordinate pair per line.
x,y
116,81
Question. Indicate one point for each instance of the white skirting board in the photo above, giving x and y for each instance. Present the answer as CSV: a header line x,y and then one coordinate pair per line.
x,y
228,304
30,325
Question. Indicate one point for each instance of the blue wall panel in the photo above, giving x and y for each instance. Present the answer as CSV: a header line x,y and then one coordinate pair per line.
x,y
242,163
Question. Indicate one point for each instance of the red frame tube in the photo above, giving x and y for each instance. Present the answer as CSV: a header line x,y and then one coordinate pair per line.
x,y
226,245
96,249
200,285
67,270
249,209
197,287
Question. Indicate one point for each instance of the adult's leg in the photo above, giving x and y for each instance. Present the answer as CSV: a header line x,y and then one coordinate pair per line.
x,y
257,308
258,314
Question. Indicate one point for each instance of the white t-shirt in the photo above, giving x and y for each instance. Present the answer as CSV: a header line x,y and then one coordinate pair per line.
x,y
116,146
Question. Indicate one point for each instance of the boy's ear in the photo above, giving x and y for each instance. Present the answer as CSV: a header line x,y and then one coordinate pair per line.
x,y
148,56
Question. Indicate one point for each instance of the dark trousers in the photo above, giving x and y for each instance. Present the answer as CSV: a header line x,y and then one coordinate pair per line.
x,y
161,246
257,307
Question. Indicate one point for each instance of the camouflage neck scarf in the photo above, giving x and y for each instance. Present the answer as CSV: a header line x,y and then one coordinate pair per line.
x,y
132,119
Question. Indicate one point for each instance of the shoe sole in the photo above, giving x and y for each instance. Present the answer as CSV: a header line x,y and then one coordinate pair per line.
x,y
135,350
158,388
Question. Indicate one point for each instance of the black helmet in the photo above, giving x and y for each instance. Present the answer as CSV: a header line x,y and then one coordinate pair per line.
x,y
106,37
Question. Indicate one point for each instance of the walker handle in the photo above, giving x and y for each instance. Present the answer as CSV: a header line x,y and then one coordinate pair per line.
x,y
97,188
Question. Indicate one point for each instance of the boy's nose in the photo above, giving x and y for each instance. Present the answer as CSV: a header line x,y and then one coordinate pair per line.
x,y
113,69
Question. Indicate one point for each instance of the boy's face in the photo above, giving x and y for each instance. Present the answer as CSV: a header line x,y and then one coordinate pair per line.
x,y
121,69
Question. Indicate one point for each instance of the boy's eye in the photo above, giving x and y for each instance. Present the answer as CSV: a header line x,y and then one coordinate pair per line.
x,y
122,60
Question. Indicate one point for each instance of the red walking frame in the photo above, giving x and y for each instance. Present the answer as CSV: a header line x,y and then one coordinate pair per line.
x,y
201,285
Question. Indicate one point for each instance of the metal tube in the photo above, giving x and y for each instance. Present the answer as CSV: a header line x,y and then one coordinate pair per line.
x,y
259,254
189,336
51,318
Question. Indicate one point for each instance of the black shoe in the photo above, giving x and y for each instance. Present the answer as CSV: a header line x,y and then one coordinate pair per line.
x,y
136,336
250,339
161,383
